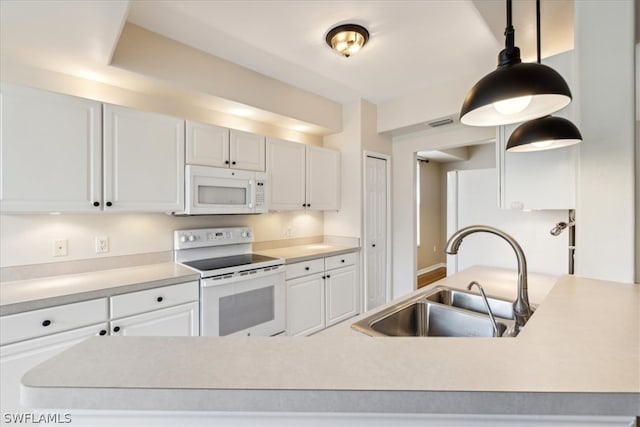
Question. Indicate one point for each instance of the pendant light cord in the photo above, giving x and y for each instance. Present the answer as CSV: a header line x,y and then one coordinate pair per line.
x,y
510,55
538,29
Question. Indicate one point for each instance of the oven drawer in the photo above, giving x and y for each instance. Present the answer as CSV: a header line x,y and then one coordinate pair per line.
x,y
47,321
153,299
304,268
338,261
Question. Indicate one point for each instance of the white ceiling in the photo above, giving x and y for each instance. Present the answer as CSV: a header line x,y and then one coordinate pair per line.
x,y
414,44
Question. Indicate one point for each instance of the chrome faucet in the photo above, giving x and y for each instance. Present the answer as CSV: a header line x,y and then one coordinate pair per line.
x,y
521,307
487,306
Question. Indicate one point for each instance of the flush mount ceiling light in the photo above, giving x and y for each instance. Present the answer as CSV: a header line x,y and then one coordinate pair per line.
x,y
545,133
347,39
515,91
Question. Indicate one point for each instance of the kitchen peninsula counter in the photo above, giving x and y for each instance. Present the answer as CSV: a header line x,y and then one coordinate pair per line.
x,y
578,355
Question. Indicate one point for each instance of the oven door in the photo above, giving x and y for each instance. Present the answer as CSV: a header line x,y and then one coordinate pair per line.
x,y
251,304
219,191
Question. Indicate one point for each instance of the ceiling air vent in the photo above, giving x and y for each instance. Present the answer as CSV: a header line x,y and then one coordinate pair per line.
x,y
440,122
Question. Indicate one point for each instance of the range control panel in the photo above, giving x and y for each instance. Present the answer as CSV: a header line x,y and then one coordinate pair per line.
x,y
205,237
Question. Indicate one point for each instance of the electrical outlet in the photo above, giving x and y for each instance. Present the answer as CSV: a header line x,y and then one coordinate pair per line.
x,y
102,245
434,248
60,247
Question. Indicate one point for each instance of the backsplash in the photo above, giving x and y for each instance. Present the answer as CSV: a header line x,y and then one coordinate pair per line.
x,y
29,239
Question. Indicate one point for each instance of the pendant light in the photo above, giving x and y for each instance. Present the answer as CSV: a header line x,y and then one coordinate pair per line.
x,y
547,132
515,91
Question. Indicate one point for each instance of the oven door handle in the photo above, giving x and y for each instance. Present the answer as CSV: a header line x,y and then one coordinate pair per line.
x,y
237,277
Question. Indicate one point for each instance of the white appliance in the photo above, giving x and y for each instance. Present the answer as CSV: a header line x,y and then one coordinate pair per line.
x,y
241,293
472,198
210,191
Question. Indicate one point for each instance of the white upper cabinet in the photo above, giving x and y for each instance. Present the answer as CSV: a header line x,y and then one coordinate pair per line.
x,y
209,145
540,179
302,176
143,161
246,150
50,152
323,179
286,171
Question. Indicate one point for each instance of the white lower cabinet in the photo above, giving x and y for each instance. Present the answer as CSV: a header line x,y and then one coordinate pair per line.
x,y
321,292
166,311
32,337
29,338
181,320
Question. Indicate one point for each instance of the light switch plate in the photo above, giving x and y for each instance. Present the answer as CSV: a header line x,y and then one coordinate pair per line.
x,y
60,247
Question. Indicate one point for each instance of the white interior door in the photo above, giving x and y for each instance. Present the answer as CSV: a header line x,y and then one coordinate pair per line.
x,y
376,250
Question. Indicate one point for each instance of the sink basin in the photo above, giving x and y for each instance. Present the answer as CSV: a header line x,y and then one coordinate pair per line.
x,y
440,312
473,302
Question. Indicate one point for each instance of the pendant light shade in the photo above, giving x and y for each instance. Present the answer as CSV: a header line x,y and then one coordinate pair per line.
x,y
545,133
515,93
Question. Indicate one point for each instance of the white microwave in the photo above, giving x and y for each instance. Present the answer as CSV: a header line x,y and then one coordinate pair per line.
x,y
210,190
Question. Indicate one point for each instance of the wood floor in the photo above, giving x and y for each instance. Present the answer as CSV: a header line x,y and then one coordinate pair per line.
x,y
431,276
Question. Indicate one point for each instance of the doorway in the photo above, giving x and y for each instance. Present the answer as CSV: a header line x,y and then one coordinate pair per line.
x,y
376,229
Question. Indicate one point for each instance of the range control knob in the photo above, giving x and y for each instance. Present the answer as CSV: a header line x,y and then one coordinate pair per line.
x,y
192,238
183,239
245,234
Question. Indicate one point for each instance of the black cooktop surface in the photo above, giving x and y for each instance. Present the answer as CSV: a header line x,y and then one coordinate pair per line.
x,y
228,261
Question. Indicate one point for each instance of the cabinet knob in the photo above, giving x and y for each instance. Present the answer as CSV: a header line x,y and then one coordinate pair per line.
x,y
109,204
102,332
226,162
96,204
342,261
116,329
373,246
328,276
233,163
324,277
160,299
46,323
306,268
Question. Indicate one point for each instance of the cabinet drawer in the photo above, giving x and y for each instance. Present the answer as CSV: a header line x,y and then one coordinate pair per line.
x,y
304,268
338,261
37,323
153,299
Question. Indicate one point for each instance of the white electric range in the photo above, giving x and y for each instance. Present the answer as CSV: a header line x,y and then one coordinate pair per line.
x,y
241,293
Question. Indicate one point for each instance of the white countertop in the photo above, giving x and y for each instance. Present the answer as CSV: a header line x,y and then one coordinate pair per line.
x,y
579,354
301,253
24,295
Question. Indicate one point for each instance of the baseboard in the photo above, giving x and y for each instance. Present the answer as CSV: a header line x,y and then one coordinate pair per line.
x,y
431,268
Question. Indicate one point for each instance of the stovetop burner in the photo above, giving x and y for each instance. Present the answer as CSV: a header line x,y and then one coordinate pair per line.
x,y
228,261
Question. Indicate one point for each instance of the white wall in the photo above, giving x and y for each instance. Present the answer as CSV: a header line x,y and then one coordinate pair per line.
x,y
28,239
605,217
403,191
348,220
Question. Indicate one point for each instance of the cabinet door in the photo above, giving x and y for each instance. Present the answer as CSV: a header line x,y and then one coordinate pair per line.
x,y
143,161
247,150
178,321
342,294
207,145
50,155
305,305
16,359
323,179
286,171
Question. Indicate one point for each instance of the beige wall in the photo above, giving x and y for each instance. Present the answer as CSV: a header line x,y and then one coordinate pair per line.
x,y
433,223
431,248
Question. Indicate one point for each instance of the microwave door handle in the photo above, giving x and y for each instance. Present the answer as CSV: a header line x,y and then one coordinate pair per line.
x,y
252,195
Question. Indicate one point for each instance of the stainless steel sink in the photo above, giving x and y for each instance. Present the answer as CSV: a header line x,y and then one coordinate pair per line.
x,y
440,312
469,301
